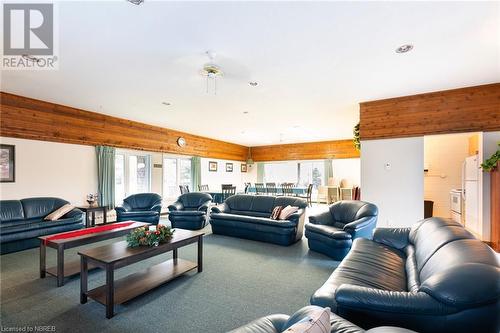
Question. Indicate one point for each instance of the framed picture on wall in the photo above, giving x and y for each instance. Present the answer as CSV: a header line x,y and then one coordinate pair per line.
x,y
243,167
212,166
7,163
229,167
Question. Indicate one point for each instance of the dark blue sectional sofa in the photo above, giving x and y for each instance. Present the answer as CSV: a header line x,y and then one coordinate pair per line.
x,y
22,222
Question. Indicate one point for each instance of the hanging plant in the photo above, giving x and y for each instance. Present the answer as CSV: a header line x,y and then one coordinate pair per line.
x,y
357,143
491,162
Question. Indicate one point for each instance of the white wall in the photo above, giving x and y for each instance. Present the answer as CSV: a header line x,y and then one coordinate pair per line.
x,y
443,156
51,169
215,179
398,190
347,168
490,142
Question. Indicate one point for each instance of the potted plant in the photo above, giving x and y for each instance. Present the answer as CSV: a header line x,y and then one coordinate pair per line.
x,y
491,163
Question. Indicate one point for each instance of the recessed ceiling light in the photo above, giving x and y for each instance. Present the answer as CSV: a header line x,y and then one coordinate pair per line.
x,y
404,48
253,84
166,103
136,2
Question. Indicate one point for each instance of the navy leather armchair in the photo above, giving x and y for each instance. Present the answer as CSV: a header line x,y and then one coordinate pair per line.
x,y
432,277
142,207
190,211
278,323
22,222
333,231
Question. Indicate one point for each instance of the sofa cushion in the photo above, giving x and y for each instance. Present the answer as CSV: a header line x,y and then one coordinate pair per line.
x,y
193,200
368,264
431,234
40,228
253,219
145,213
11,210
143,200
187,213
41,207
326,230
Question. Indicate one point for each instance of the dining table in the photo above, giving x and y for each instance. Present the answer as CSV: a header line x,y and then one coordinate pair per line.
x,y
295,190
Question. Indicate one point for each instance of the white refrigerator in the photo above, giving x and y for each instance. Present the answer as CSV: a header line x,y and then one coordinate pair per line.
x,y
470,193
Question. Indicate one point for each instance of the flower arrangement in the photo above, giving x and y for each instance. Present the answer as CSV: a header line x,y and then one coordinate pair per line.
x,y
491,162
357,142
144,237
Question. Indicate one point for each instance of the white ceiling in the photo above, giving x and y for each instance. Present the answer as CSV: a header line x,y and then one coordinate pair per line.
x,y
313,61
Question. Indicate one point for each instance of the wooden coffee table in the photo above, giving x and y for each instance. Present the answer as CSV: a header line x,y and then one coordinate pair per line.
x,y
63,269
117,255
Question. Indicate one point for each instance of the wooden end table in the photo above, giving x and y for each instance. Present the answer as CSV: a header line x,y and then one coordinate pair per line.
x,y
117,255
63,269
92,209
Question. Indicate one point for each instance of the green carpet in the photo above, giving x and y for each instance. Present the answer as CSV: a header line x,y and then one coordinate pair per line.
x,y
241,280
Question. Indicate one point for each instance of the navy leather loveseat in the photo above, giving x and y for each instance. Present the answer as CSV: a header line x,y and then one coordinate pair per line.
x,y
141,207
432,277
22,222
248,216
278,323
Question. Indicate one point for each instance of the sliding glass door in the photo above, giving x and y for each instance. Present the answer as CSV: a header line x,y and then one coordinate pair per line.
x,y
176,171
132,174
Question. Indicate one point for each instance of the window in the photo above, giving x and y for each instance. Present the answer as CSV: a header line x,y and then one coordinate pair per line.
x,y
132,174
311,173
300,173
176,171
280,172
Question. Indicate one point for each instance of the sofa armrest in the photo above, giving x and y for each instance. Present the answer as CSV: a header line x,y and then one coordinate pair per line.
x,y
156,208
125,207
324,218
75,213
360,223
393,237
222,208
204,207
176,206
357,298
271,323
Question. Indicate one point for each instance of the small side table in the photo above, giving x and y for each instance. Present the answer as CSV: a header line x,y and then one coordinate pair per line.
x,y
93,209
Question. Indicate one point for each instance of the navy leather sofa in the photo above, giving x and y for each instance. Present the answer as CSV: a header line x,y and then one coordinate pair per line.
x,y
278,323
432,277
190,211
248,216
22,222
333,231
142,207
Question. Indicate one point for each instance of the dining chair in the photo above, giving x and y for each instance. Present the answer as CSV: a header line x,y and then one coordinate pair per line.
x,y
271,188
259,188
287,189
308,195
203,188
346,193
226,185
228,191
247,186
184,189
322,196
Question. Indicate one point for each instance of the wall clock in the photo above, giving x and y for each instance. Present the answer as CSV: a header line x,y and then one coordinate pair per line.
x,y
181,141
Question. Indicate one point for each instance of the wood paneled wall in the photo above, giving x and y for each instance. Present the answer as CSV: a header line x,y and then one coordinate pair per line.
x,y
22,117
305,151
450,111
